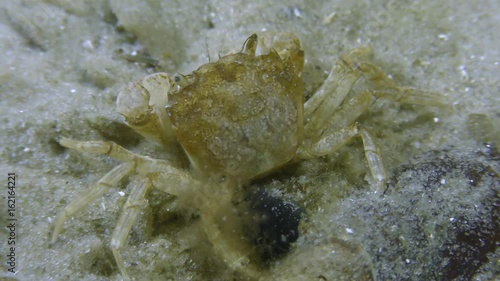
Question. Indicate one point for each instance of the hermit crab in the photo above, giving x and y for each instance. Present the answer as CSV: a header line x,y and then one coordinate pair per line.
x,y
236,119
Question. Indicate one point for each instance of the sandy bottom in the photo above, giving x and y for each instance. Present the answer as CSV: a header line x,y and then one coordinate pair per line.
x,y
63,64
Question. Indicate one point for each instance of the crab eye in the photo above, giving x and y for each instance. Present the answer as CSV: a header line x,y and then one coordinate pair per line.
x,y
183,80
177,78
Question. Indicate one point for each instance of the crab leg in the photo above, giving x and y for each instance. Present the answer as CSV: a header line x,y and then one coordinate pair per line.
x,y
101,147
97,190
334,141
413,96
130,211
345,115
165,177
386,88
346,71
334,90
141,164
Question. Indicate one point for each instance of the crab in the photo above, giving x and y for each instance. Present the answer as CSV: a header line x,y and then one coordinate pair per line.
x,y
236,120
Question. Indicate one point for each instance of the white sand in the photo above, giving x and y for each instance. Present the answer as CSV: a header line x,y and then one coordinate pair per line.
x,y
60,74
